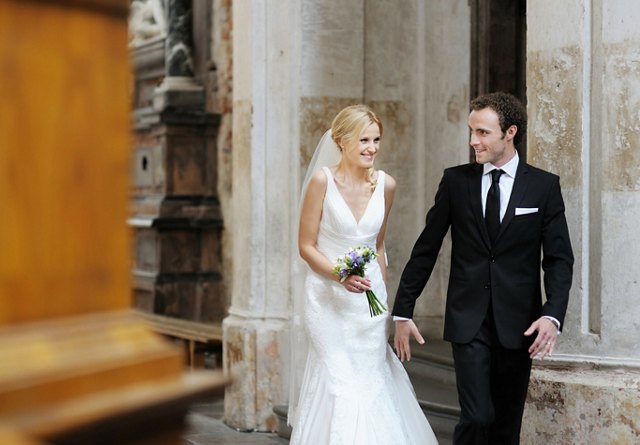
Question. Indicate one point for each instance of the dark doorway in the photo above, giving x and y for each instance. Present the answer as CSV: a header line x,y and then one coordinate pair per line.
x,y
498,49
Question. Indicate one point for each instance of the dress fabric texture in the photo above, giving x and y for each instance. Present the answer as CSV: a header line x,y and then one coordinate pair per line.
x,y
354,389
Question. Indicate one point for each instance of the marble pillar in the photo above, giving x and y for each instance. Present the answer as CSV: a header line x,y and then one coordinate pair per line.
x,y
264,190
584,97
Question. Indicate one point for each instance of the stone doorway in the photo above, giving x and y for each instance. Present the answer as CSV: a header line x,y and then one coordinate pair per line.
x,y
498,49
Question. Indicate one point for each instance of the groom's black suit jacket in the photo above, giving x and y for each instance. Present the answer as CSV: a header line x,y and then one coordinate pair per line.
x,y
506,274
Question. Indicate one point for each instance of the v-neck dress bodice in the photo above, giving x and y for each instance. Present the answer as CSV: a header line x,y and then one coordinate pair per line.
x,y
339,229
354,389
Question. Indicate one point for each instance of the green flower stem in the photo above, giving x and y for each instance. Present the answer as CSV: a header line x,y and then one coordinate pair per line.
x,y
375,306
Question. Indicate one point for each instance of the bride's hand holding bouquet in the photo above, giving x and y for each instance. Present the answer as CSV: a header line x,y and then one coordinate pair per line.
x,y
350,269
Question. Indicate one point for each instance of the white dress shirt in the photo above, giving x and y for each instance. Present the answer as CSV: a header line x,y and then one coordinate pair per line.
x,y
506,183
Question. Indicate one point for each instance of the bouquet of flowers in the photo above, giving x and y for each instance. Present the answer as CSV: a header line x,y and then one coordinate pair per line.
x,y
354,262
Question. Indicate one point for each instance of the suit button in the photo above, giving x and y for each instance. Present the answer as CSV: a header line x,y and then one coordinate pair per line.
x,y
493,259
486,286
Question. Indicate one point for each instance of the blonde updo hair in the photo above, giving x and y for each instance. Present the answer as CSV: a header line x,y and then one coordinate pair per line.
x,y
350,123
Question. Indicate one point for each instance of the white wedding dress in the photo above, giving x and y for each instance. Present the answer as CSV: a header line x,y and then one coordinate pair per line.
x,y
354,389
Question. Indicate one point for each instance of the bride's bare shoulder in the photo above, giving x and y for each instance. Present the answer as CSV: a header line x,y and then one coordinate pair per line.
x,y
389,183
318,182
319,178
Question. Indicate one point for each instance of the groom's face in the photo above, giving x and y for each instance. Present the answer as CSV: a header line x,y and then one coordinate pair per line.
x,y
488,141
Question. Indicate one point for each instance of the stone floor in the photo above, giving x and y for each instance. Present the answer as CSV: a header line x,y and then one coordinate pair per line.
x,y
205,427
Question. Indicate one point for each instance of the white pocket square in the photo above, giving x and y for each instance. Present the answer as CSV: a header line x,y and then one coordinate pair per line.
x,y
525,210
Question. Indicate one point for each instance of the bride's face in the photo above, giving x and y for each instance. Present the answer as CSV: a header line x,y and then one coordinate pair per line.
x,y
362,152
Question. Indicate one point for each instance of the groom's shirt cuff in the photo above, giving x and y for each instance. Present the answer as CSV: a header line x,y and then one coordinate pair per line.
x,y
553,320
549,317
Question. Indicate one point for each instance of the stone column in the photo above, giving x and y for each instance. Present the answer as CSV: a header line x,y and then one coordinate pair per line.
x,y
264,199
584,97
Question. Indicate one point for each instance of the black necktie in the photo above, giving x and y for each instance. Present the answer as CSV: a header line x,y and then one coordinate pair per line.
x,y
492,209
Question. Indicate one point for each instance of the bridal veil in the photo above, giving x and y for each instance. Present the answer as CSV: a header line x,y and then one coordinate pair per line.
x,y
326,154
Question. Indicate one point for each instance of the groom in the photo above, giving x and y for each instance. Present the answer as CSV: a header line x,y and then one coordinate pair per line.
x,y
507,220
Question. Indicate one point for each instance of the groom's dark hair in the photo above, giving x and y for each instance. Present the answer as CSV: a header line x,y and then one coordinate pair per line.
x,y
509,109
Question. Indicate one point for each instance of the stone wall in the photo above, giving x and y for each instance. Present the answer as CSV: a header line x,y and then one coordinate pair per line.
x,y
583,94
422,94
582,404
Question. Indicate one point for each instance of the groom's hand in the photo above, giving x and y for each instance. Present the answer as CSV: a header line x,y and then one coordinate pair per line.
x,y
404,330
545,341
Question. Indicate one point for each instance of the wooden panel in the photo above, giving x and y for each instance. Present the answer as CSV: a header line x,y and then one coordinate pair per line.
x,y
64,167
58,361
76,366
116,7
9,437
127,410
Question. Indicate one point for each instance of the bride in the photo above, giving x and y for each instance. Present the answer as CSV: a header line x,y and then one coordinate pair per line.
x,y
354,389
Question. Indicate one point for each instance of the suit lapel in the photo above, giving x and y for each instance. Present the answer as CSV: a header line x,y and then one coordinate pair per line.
x,y
517,193
475,195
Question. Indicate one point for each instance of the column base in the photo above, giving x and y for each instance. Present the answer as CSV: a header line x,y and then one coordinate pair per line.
x,y
178,93
578,403
255,357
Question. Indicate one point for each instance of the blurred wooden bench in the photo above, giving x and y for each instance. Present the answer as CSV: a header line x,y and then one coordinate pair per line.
x,y
192,332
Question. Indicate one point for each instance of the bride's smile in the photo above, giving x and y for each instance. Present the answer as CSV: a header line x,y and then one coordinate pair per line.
x,y
361,152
